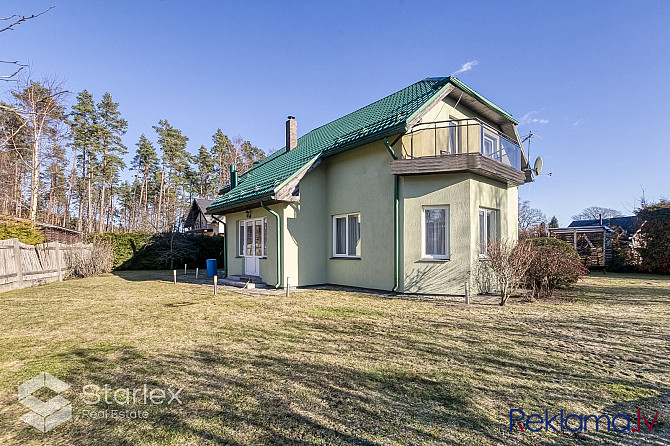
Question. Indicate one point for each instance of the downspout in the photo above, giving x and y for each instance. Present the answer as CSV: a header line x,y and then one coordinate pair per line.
x,y
396,241
278,226
225,244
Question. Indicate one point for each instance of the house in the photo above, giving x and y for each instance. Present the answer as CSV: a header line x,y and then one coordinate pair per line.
x,y
199,222
593,238
402,194
51,233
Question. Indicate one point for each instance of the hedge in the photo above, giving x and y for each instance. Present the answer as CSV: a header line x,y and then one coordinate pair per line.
x,y
126,245
134,251
25,232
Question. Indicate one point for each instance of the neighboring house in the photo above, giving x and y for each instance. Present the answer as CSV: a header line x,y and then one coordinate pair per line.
x,y
593,238
402,194
199,222
51,233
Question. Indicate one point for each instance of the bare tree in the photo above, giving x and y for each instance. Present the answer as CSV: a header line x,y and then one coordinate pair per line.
x,y
40,104
532,222
8,24
508,263
595,212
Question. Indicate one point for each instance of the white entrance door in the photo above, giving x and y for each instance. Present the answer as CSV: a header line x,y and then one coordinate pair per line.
x,y
253,245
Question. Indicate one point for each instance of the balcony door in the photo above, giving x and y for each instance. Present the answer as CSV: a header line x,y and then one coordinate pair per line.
x,y
490,147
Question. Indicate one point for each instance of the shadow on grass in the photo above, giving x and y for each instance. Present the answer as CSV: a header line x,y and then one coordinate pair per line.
x,y
230,397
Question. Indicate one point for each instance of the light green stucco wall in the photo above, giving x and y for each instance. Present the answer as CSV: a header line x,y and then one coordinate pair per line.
x,y
357,181
464,194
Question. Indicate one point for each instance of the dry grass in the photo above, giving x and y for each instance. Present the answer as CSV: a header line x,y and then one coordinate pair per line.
x,y
329,367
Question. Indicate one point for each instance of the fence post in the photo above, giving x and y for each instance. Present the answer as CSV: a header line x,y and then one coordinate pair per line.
x,y
58,265
18,262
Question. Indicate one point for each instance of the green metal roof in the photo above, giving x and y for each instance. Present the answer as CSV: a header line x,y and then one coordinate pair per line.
x,y
385,117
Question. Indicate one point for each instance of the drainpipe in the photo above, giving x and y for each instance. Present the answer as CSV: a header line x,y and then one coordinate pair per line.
x,y
225,245
278,226
396,241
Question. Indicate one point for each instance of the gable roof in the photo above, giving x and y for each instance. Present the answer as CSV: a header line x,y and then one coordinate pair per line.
x,y
625,223
199,205
383,118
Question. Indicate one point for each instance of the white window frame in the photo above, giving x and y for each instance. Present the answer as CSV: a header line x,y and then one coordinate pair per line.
x,y
484,230
242,237
447,243
346,241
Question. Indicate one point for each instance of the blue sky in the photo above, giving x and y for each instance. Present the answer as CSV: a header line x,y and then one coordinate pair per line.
x,y
592,78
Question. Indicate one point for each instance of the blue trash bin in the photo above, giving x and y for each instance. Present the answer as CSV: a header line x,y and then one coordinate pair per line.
x,y
211,267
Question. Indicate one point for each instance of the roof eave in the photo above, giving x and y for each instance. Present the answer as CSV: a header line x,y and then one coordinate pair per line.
x,y
238,205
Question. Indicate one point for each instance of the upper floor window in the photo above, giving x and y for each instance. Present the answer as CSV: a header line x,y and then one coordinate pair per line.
x,y
435,224
347,235
488,229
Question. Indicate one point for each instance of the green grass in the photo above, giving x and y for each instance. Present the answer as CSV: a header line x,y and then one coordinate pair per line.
x,y
335,367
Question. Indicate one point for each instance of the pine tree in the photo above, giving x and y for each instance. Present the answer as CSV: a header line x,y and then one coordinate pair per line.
x,y
175,160
554,222
224,155
205,171
85,131
145,164
111,129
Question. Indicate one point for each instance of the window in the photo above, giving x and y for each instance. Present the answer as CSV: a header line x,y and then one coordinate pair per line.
x,y
454,146
347,235
488,229
435,224
240,238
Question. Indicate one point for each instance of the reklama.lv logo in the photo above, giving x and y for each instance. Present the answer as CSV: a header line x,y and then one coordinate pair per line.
x,y
578,423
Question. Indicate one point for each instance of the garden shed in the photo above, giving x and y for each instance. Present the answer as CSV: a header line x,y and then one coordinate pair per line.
x,y
593,243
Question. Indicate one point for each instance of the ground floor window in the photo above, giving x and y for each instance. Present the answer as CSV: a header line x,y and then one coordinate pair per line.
x,y
435,224
252,238
347,235
488,229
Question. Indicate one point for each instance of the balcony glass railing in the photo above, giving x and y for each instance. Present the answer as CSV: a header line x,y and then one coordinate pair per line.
x,y
461,136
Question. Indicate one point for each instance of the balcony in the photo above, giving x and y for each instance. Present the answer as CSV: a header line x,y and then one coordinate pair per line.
x,y
465,145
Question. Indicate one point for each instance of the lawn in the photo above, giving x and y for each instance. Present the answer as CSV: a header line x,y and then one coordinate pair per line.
x,y
335,367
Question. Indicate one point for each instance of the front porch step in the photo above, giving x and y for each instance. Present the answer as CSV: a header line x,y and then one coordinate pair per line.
x,y
248,282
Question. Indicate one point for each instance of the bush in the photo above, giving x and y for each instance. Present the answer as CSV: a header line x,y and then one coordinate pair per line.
x,y
624,258
509,263
555,264
25,232
85,263
125,245
655,234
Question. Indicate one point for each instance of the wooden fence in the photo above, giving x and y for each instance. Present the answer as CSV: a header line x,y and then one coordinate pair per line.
x,y
24,265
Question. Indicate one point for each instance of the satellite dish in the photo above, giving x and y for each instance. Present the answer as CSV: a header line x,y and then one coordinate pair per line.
x,y
537,168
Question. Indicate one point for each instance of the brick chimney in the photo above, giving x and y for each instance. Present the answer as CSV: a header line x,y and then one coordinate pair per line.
x,y
291,133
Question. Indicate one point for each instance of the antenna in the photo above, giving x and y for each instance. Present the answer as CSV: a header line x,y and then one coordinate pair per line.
x,y
528,138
